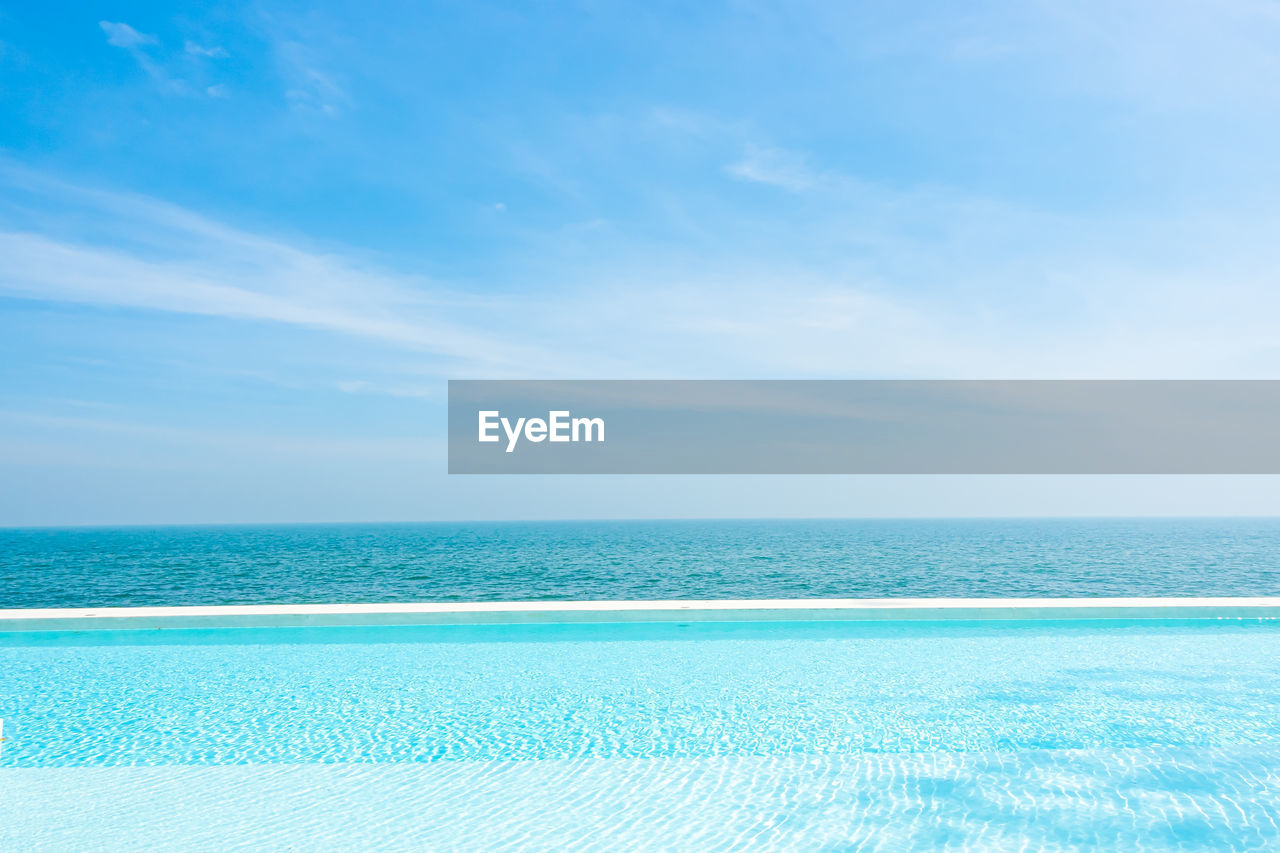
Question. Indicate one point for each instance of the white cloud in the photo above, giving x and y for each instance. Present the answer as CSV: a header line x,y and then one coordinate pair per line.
x,y
775,167
159,68
275,283
1075,300
125,36
307,86
164,258
214,52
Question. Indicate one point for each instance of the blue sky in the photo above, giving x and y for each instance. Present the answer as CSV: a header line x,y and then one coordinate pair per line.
x,y
243,246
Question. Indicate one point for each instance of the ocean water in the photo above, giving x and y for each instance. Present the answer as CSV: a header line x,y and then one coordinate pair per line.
x,y
637,560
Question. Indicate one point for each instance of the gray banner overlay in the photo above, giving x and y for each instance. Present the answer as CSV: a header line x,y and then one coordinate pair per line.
x,y
864,427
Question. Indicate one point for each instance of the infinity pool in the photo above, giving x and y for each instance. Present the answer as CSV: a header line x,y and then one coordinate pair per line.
x,y
806,735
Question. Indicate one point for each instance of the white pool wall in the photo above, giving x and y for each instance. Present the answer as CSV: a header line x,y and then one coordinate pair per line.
x,y
553,612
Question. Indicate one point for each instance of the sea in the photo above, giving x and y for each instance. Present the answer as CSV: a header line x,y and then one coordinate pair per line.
x,y
592,560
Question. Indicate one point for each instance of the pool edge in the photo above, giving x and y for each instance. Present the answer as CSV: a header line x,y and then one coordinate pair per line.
x,y
553,612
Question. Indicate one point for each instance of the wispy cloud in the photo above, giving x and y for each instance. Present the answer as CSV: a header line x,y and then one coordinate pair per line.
x,y
125,36
164,258
927,286
214,52
147,51
775,167
308,87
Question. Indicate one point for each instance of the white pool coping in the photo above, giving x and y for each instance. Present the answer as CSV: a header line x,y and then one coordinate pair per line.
x,y
558,612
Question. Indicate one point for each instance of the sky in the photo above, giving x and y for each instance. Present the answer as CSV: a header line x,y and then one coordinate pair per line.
x,y
243,246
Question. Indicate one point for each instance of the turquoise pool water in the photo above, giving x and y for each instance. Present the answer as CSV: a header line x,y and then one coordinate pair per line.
x,y
1138,735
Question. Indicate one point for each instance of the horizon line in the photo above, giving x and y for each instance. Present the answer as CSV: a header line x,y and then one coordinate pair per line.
x,y
631,519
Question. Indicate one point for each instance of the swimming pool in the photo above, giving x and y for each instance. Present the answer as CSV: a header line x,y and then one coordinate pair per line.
x,y
774,733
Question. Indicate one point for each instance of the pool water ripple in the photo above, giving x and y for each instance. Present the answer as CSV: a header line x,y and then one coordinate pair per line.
x,y
1153,799
692,690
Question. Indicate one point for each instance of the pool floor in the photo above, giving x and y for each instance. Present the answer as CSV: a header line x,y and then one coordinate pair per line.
x,y
1043,800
